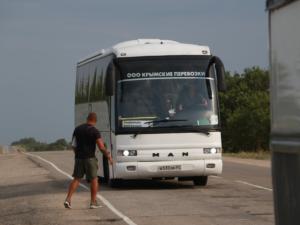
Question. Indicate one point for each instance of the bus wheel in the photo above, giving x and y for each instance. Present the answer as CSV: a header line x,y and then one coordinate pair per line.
x,y
114,183
105,170
200,181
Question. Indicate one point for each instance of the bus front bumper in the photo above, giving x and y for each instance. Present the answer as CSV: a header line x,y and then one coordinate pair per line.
x,y
160,169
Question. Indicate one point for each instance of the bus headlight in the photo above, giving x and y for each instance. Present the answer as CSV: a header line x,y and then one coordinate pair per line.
x,y
127,152
212,150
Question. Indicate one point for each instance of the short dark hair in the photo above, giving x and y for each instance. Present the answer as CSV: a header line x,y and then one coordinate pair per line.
x,y
92,116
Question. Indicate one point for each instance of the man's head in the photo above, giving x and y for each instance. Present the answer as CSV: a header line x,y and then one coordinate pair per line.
x,y
92,118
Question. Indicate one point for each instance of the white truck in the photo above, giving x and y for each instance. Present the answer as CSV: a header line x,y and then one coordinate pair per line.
x,y
157,104
284,32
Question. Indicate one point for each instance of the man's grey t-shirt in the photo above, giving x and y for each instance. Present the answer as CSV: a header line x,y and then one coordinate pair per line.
x,y
84,141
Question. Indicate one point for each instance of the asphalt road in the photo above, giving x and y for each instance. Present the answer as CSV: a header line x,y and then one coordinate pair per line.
x,y
32,192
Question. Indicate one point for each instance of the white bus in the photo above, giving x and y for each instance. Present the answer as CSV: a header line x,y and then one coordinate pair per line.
x,y
157,104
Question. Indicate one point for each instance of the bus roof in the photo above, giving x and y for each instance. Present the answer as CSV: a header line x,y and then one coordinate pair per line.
x,y
148,47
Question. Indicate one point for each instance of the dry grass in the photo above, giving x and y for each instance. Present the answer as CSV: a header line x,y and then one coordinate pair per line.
x,y
261,155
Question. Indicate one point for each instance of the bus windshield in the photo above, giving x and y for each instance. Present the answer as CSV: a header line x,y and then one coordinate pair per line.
x,y
168,92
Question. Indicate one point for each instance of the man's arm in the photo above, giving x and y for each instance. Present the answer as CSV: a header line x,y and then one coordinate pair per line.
x,y
74,144
102,148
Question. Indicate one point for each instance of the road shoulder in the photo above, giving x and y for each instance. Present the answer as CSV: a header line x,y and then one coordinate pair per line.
x,y
31,193
252,162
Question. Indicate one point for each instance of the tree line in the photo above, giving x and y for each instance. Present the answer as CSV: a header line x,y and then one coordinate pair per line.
x,y
245,111
30,144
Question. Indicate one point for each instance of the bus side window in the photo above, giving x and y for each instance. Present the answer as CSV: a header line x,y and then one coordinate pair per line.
x,y
110,80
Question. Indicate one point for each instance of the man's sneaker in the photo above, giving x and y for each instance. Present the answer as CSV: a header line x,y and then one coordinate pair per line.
x,y
95,205
67,205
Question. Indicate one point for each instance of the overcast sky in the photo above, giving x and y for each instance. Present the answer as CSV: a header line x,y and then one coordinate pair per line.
x,y
41,41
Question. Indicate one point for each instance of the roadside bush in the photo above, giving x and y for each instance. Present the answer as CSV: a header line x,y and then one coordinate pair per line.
x,y
30,144
245,113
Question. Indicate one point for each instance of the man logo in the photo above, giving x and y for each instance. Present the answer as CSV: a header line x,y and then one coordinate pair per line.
x,y
170,154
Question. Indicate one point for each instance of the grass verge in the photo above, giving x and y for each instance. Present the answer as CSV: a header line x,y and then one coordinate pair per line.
x,y
261,155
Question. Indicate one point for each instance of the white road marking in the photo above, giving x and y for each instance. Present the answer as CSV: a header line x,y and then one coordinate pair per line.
x,y
246,183
253,185
104,200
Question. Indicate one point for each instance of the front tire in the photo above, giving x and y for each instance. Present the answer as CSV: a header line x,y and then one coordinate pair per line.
x,y
200,181
106,170
114,183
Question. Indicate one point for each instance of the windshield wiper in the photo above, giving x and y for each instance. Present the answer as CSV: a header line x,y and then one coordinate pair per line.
x,y
165,121
156,122
186,128
194,129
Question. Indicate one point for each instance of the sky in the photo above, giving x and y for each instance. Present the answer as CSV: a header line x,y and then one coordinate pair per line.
x,y
41,41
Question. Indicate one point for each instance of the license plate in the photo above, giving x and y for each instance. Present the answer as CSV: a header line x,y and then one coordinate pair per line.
x,y
169,168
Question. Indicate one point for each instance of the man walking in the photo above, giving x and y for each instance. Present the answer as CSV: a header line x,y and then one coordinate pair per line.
x,y
84,141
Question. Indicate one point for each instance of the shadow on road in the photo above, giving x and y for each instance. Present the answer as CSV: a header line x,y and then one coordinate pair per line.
x,y
148,185
36,188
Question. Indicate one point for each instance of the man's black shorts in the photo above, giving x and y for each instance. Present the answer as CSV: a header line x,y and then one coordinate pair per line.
x,y
87,167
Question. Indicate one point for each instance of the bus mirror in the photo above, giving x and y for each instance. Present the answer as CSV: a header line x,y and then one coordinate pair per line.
x,y
220,72
110,81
